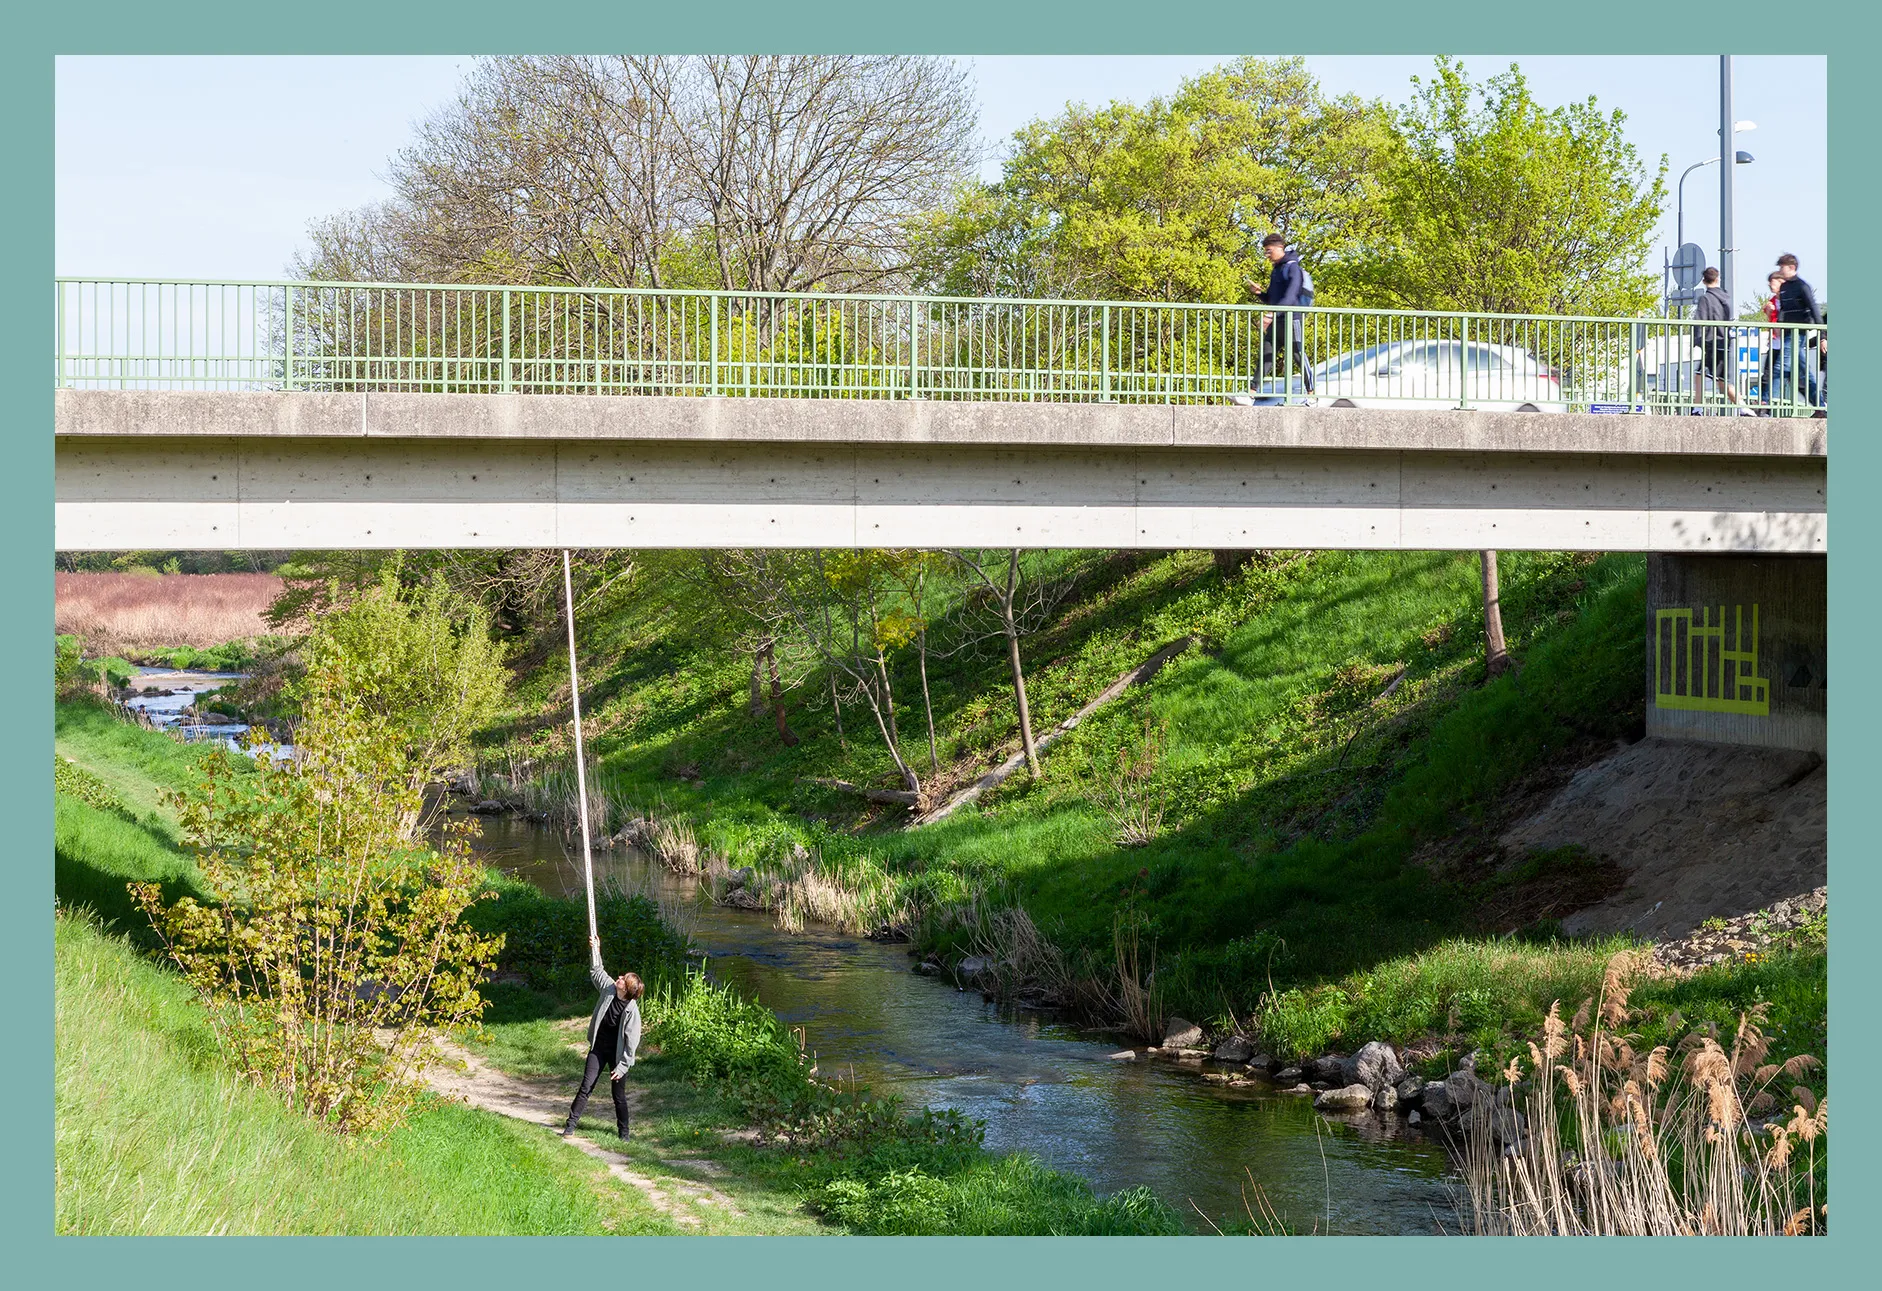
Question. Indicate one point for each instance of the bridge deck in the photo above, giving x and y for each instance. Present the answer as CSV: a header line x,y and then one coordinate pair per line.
x,y
227,470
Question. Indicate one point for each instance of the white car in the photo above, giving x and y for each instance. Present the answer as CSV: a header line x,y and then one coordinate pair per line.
x,y
1428,374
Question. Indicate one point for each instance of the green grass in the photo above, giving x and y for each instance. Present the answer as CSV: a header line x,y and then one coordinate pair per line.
x,y
1301,804
143,766
716,1062
154,1135
196,1150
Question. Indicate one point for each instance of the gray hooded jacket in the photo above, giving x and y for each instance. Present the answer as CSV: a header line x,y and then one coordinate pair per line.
x,y
627,1039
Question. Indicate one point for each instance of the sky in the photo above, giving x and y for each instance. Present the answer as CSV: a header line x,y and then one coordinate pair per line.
x,y
212,167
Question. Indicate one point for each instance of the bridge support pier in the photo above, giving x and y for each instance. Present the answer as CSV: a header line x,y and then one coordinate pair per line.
x,y
1737,649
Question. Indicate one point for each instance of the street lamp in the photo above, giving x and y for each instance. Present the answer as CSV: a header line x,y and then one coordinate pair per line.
x,y
1743,158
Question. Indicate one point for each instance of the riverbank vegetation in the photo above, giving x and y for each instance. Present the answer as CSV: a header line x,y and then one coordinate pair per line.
x,y
1323,771
1289,831
192,1151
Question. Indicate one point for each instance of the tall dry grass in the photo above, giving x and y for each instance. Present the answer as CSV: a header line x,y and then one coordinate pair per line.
x,y
1619,1138
807,891
118,613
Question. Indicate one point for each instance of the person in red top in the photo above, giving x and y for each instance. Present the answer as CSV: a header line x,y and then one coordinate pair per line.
x,y
1767,370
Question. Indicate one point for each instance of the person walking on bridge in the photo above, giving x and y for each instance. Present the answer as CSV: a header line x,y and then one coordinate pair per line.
x,y
1288,284
1714,307
613,1039
1796,303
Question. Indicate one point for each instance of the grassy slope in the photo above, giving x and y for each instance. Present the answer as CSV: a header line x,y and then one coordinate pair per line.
x,y
155,1135
196,1150
152,1135
1300,804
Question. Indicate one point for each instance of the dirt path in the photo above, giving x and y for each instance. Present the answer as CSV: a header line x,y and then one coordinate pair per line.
x,y
461,1075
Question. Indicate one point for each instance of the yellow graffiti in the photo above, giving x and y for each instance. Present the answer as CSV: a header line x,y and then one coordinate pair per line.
x,y
1693,669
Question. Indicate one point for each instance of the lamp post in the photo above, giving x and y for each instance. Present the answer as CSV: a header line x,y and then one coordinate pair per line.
x,y
1728,130
1743,158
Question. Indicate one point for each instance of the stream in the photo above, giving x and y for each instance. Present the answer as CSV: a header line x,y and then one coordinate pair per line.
x,y
162,696
1041,1086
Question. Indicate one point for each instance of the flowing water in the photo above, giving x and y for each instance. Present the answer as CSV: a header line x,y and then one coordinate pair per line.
x,y
163,695
1041,1086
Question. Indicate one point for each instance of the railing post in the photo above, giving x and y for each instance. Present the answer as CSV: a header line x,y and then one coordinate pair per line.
x,y
1104,395
1635,357
503,378
1463,363
914,376
58,321
714,370
287,337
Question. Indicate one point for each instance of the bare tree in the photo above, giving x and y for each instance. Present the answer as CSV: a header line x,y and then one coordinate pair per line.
x,y
762,172
1019,604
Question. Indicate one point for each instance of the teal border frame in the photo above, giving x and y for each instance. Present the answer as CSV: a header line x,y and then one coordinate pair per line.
x,y
1846,32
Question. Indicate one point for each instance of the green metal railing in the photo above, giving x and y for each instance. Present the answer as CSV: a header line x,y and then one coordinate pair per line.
x,y
348,337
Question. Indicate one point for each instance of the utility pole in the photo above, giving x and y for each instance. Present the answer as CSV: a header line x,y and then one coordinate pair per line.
x,y
1726,140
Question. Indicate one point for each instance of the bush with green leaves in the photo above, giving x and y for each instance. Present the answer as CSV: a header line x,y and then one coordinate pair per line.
x,y
999,1196
421,659
545,939
327,943
67,656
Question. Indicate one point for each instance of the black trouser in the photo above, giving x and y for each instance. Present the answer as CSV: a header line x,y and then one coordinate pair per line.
x,y
1272,361
590,1074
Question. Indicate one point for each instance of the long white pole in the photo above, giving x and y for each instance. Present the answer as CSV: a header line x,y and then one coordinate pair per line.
x,y
581,765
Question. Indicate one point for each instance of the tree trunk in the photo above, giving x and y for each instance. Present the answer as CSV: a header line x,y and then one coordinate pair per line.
x,y
1019,697
1012,659
888,697
909,777
777,697
756,705
1227,562
1496,656
836,708
927,704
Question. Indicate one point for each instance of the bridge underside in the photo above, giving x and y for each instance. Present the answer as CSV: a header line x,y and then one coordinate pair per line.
x,y
1030,476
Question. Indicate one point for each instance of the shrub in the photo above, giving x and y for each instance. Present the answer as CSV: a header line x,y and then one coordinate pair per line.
x,y
326,944
1005,1196
1299,1023
717,1034
421,660
546,939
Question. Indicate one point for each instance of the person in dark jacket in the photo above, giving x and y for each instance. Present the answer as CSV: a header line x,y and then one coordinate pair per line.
x,y
1285,281
613,1039
1714,307
1796,303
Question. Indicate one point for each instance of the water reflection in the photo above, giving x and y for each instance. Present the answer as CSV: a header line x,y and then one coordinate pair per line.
x,y
1040,1086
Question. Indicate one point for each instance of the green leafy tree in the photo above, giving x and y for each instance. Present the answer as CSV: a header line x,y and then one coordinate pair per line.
x,y
1170,200
421,659
326,943
1496,204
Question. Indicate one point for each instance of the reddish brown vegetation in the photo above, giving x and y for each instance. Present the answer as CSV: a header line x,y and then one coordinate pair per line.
x,y
115,613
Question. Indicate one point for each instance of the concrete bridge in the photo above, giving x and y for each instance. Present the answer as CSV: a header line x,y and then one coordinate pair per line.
x,y
307,414
231,469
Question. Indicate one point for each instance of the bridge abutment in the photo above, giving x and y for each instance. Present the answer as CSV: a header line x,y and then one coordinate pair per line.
x,y
1737,649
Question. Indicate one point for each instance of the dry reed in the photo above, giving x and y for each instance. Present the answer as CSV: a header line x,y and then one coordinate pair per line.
x,y
118,613
1620,1138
